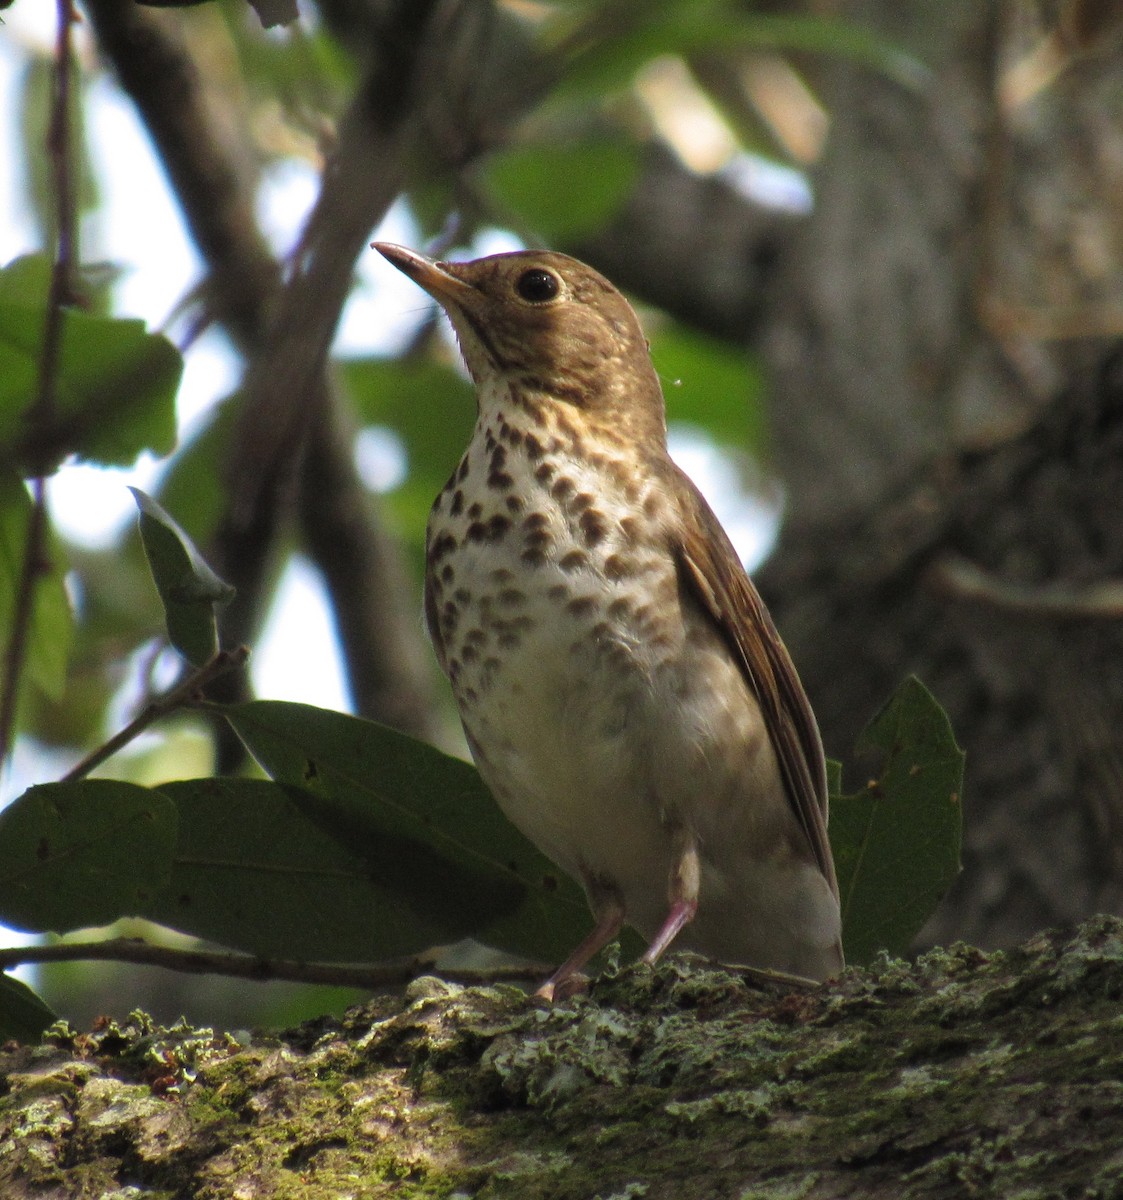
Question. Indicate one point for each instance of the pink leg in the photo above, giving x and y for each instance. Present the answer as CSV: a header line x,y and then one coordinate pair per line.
x,y
610,916
684,884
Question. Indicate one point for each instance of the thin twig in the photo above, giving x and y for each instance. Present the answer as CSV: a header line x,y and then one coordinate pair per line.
x,y
178,697
34,564
248,966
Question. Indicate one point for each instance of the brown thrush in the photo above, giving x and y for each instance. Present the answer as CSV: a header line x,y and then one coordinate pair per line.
x,y
623,690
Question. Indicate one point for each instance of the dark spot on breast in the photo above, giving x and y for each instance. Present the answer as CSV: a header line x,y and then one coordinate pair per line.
x,y
574,560
538,539
477,532
563,488
651,505
544,472
447,573
581,606
534,556
475,637
533,447
535,521
502,575
509,434
475,511
469,654
619,608
462,596
509,641
593,527
462,470
457,503
497,526
512,597
581,502
499,480
629,527
499,458
490,443
443,544
616,566
557,591
514,504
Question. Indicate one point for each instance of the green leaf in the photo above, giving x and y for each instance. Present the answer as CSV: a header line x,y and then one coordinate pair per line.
x,y
23,1015
188,588
565,191
711,383
115,388
84,853
896,843
608,58
49,634
266,868
426,825
432,409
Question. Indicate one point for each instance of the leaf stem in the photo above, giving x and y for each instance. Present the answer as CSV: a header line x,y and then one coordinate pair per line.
x,y
183,694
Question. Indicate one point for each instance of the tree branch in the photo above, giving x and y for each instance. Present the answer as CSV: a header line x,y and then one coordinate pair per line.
x,y
178,697
34,565
286,390
247,966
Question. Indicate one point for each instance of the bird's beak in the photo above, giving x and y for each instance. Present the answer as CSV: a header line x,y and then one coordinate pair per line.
x,y
436,278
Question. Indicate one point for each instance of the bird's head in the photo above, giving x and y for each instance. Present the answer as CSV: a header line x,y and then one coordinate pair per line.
x,y
547,324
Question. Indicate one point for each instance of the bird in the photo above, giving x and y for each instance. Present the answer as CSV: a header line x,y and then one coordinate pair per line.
x,y
622,688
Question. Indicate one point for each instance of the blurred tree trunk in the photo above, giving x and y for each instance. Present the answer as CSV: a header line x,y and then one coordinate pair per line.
x,y
947,408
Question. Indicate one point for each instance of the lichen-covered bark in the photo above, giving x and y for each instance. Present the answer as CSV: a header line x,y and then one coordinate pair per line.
x,y
963,1074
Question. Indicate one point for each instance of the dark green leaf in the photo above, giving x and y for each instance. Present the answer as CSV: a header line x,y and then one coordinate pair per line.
x,y
188,588
896,843
86,853
268,869
115,389
425,824
23,1015
49,635
564,191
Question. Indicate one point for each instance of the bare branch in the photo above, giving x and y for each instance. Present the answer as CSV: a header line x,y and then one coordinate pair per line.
x,y
248,966
178,697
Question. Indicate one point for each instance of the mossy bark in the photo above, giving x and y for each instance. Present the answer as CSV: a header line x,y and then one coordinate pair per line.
x,y
964,1074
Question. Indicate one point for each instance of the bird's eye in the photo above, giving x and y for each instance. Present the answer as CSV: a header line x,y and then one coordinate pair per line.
x,y
537,285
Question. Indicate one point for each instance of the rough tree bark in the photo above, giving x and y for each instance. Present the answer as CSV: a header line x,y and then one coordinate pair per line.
x,y
963,1074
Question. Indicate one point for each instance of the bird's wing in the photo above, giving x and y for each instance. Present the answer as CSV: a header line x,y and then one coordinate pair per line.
x,y
724,591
